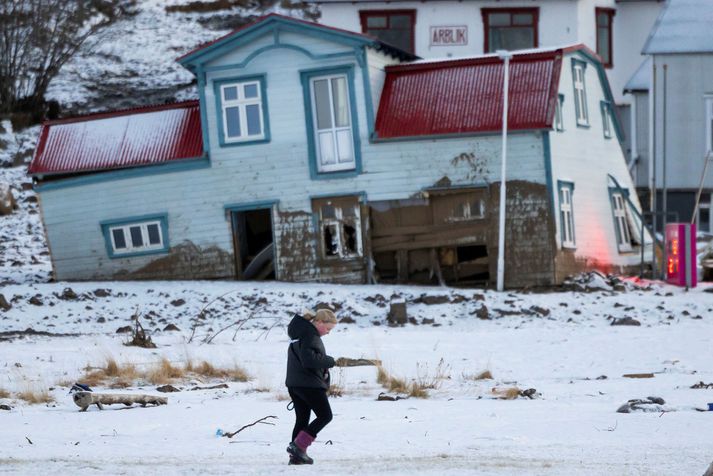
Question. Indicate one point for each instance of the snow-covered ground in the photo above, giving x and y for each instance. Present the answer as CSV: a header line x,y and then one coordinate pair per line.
x,y
561,344
563,347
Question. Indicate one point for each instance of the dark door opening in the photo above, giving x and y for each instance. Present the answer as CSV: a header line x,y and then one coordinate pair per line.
x,y
252,240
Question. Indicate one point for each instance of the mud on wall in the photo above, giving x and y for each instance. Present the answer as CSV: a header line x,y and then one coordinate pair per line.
x,y
185,261
299,256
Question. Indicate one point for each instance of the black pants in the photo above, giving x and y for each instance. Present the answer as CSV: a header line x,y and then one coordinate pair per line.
x,y
307,400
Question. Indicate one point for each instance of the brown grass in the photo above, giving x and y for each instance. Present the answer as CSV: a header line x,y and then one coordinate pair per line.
x,y
507,393
165,372
112,371
433,381
398,385
484,375
115,375
34,395
4,393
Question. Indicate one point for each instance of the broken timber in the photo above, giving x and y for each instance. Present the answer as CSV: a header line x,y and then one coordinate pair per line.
x,y
84,399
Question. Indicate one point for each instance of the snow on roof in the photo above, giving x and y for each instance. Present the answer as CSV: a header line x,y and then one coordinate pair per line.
x,y
683,26
641,79
119,139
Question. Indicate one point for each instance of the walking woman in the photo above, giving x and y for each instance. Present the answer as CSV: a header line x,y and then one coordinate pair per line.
x,y
308,379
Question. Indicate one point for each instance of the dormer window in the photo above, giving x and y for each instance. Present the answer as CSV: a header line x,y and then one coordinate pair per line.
x,y
242,110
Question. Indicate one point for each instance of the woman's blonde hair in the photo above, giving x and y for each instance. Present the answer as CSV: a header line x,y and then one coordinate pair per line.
x,y
322,315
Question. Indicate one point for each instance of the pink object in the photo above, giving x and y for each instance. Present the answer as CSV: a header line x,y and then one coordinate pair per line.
x,y
303,440
681,254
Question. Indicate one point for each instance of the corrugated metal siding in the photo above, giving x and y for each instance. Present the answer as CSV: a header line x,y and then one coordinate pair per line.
x,y
119,140
466,96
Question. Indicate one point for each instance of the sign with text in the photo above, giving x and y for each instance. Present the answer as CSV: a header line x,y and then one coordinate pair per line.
x,y
449,35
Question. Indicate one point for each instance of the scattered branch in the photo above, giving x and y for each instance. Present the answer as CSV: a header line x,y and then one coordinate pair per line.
x,y
261,420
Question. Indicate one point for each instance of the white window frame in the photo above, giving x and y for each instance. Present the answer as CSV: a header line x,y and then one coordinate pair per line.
x,y
333,131
241,103
606,120
130,248
567,216
580,93
559,120
338,237
467,211
622,222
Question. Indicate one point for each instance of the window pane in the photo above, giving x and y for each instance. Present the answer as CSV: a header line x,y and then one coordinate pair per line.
x,y
602,19
704,220
136,239
339,98
511,38
523,19
321,100
348,211
376,22
499,19
330,240
154,235
399,38
252,111
230,93
326,148
328,211
400,21
119,239
232,120
250,91
344,146
350,238
603,44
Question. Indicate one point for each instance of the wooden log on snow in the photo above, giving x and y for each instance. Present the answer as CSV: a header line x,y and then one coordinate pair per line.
x,y
84,399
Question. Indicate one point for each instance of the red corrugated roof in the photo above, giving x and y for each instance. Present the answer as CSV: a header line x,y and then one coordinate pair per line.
x,y
466,96
119,139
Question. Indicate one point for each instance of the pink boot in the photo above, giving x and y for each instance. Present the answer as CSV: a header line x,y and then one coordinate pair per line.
x,y
298,448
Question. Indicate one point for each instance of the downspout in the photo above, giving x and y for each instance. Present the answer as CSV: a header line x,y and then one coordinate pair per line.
x,y
652,163
634,140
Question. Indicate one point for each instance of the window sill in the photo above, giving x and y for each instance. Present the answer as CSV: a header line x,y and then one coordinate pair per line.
x,y
337,174
139,253
224,143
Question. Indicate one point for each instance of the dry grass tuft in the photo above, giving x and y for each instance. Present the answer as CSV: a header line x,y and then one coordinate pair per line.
x,y
33,395
208,370
112,372
425,380
507,393
4,393
165,372
398,385
484,375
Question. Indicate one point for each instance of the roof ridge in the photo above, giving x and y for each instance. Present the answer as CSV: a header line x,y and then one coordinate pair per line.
x,y
122,112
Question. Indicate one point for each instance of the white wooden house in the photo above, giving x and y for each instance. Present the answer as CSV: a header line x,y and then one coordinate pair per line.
x,y
319,154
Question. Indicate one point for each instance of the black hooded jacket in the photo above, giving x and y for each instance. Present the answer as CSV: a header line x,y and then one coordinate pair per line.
x,y
307,361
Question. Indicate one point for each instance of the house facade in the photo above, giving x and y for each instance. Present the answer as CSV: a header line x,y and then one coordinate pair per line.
x,y
674,127
318,154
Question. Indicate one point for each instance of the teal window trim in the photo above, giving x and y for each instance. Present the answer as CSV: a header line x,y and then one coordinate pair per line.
x,y
566,214
173,166
228,142
580,100
559,111
108,225
246,207
605,107
623,246
306,77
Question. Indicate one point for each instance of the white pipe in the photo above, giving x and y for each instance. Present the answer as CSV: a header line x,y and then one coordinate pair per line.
x,y
505,56
634,139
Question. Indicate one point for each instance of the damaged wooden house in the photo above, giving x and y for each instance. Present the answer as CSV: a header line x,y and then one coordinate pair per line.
x,y
319,154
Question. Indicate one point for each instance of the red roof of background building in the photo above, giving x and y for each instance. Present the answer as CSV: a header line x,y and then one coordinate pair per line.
x,y
119,139
466,96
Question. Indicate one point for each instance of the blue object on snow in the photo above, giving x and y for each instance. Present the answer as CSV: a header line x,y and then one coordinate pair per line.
x,y
218,432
